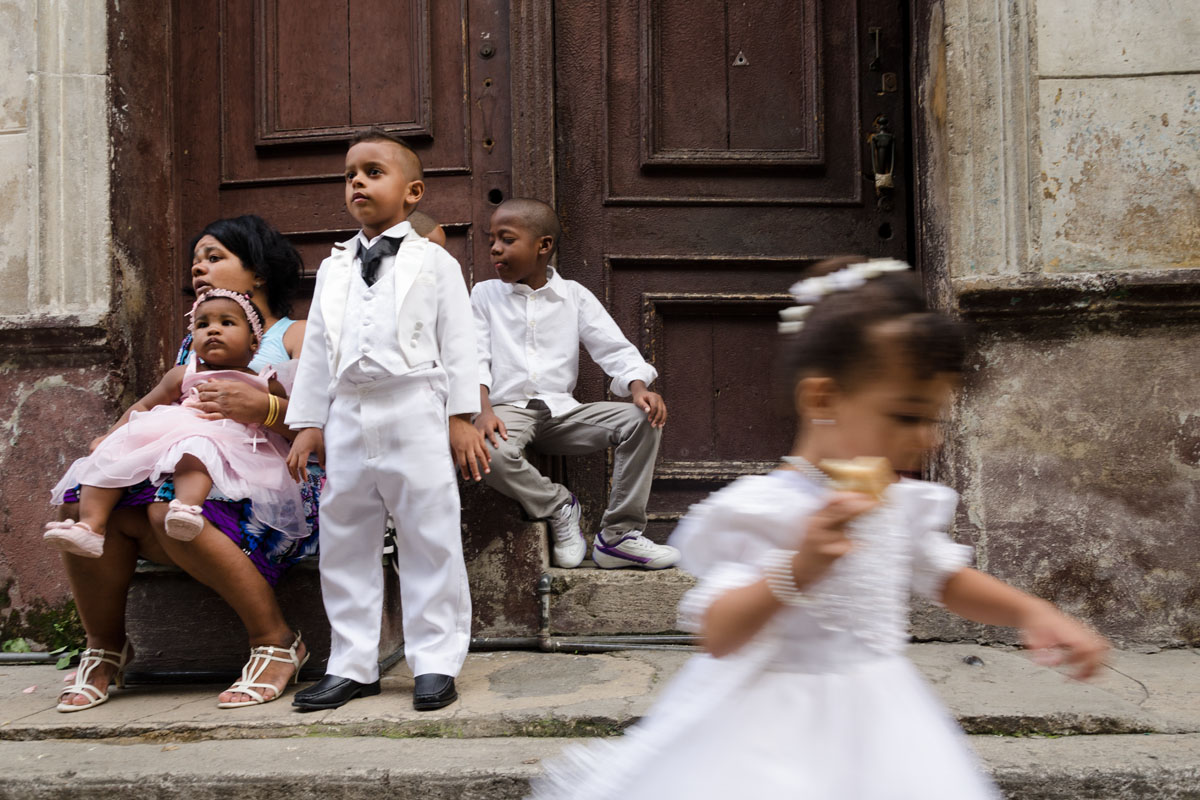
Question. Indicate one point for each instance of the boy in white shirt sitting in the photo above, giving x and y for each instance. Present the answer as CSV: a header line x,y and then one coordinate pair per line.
x,y
385,388
529,325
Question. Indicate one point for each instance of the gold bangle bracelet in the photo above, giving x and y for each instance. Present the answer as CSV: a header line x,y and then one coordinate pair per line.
x,y
272,411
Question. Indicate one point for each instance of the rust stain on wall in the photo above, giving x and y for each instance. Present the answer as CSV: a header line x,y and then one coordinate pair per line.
x,y
1121,175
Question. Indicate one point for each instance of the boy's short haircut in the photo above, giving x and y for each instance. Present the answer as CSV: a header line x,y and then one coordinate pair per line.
x,y
380,135
538,216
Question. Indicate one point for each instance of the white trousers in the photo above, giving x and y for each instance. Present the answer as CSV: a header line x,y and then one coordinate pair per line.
x,y
387,450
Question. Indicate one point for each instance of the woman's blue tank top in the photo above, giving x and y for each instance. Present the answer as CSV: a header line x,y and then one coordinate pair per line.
x,y
272,352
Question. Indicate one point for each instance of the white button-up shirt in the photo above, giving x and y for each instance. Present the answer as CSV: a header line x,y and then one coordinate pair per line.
x,y
529,342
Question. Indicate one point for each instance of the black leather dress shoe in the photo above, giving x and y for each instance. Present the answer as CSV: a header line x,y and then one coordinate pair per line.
x,y
433,691
332,692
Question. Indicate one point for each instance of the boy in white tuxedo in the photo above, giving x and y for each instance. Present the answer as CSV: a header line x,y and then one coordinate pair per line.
x,y
384,393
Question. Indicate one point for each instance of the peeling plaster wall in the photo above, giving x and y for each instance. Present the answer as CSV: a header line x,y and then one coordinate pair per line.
x,y
1071,211
56,379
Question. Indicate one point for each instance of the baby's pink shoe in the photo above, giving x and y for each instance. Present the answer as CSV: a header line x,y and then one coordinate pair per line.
x,y
73,537
183,522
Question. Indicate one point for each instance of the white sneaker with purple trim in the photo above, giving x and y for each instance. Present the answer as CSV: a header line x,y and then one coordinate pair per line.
x,y
632,550
569,545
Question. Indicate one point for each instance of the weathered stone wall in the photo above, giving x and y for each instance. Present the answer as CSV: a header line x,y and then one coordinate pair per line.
x,y
1070,205
55,282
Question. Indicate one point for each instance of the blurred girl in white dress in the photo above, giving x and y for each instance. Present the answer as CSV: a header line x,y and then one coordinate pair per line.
x,y
803,591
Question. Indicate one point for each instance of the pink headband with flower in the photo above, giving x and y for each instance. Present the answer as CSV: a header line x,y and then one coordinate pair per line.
x,y
252,315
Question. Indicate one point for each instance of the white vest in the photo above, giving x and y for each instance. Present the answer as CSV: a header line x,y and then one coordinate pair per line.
x,y
404,332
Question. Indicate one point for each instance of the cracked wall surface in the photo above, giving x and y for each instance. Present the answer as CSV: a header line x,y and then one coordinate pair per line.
x,y
1072,216
56,384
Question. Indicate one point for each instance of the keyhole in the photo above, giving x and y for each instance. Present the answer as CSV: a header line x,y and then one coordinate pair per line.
x,y
885,231
741,60
495,197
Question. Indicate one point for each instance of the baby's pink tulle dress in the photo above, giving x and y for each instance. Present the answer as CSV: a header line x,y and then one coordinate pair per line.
x,y
246,462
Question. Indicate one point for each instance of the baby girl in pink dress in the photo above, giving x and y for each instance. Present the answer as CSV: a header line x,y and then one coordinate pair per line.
x,y
162,435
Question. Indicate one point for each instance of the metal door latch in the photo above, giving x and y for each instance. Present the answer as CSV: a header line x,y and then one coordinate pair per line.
x,y
883,155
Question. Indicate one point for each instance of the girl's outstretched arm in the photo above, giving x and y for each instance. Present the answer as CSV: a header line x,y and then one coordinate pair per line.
x,y
1059,638
165,393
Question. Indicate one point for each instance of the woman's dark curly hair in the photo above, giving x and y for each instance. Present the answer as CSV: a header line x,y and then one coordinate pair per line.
x,y
262,250
837,342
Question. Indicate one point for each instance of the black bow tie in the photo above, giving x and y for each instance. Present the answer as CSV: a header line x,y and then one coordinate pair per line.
x,y
373,256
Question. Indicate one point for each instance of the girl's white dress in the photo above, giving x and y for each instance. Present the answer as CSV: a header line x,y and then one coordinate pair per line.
x,y
821,704
245,462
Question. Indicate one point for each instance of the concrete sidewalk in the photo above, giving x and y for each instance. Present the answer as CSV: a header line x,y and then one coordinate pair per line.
x,y
1132,733
989,690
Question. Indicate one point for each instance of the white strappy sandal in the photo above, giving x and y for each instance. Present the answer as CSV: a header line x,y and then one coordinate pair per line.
x,y
260,658
88,661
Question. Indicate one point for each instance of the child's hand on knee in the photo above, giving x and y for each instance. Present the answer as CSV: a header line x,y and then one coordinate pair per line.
x,y
468,449
488,424
307,442
650,402
1058,639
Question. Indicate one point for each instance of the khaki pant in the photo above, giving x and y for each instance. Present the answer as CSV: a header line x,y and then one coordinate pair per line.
x,y
586,429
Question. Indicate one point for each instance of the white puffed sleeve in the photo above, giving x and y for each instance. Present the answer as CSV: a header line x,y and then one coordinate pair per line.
x,y
935,556
724,538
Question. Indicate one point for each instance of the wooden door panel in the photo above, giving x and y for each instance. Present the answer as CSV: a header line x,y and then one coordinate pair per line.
x,y
730,110
712,152
270,93
702,103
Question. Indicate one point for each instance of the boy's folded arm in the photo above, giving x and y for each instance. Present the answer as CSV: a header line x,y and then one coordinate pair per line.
x,y
609,348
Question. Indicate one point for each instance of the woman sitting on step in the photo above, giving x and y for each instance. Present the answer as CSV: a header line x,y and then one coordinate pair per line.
x,y
234,554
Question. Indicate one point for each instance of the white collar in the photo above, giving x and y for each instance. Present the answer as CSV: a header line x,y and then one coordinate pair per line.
x,y
554,283
397,231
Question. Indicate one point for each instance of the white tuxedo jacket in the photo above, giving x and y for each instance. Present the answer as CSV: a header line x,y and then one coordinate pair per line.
x,y
433,321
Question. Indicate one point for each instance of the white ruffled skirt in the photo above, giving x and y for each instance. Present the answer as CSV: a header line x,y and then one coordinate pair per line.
x,y
873,731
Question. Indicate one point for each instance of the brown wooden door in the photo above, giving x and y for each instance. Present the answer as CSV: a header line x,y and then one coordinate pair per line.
x,y
706,151
269,92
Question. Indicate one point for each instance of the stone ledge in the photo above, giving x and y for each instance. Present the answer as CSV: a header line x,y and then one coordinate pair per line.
x,y
1158,294
587,601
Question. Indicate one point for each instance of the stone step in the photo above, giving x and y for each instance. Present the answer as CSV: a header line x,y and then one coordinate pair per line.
x,y
183,631
989,690
588,601
1160,767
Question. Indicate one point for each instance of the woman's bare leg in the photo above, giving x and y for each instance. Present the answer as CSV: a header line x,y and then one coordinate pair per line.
x,y
100,585
213,559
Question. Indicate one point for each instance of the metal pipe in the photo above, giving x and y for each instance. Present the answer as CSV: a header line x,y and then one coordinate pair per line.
x,y
28,658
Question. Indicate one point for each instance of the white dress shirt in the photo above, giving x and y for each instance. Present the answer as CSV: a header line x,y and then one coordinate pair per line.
x,y
529,342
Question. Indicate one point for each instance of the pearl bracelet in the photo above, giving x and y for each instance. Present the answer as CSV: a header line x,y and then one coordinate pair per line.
x,y
781,579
